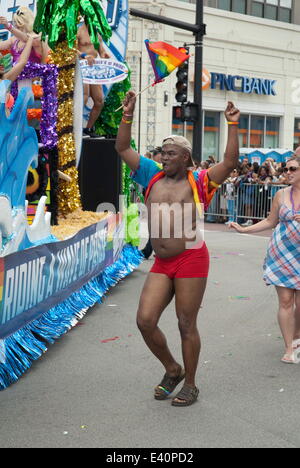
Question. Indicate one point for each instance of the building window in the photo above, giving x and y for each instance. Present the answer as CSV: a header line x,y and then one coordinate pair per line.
x,y
255,131
272,132
297,133
279,10
257,9
244,131
271,12
211,131
225,5
285,14
238,6
259,131
211,137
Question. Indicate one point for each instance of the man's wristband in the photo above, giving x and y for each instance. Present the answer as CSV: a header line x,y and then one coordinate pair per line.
x,y
233,123
127,121
214,184
10,27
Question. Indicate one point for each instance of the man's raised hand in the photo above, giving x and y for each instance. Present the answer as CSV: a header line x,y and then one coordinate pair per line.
x,y
232,114
129,103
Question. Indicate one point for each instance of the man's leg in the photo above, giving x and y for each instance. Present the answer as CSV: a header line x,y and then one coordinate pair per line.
x,y
189,293
157,294
96,93
86,93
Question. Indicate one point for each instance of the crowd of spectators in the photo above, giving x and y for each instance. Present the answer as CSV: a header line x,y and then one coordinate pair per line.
x,y
255,186
268,172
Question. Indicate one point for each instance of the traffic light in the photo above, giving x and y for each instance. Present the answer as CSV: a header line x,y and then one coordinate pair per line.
x,y
182,81
189,112
177,114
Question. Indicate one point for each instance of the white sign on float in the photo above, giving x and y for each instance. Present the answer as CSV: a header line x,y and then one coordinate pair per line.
x,y
117,16
103,72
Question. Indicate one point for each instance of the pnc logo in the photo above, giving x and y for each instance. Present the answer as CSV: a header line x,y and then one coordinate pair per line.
x,y
206,79
238,84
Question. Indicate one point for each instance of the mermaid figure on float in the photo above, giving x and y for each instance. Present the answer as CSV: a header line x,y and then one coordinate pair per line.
x,y
18,151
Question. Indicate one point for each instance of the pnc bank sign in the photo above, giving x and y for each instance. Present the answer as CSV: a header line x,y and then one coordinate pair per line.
x,y
238,84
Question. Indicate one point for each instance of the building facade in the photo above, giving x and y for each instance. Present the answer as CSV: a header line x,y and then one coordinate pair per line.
x,y
278,10
251,60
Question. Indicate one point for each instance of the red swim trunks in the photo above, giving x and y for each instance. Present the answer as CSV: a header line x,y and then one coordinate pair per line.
x,y
192,263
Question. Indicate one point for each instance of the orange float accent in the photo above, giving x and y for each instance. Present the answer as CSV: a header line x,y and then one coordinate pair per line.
x,y
206,79
9,102
37,91
34,114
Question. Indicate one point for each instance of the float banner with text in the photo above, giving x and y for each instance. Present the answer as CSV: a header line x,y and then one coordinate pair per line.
x,y
35,280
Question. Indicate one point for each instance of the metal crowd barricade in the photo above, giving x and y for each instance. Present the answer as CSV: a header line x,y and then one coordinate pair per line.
x,y
247,202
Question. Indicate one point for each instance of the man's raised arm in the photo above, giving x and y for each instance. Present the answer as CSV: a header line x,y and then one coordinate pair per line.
x,y
221,171
123,143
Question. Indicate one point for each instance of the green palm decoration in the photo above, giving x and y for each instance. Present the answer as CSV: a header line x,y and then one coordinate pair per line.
x,y
55,17
57,20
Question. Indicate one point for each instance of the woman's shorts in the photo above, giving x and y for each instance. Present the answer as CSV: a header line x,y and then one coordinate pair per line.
x,y
192,263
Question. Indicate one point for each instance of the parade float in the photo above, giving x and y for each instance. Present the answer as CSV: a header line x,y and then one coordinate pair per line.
x,y
56,261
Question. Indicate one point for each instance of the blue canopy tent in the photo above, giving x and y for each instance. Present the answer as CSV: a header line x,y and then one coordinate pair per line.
x,y
261,154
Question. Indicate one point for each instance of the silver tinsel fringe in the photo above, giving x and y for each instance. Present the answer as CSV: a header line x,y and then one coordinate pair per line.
x,y
19,350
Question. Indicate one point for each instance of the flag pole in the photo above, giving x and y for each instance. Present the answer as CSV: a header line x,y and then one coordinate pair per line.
x,y
141,92
199,30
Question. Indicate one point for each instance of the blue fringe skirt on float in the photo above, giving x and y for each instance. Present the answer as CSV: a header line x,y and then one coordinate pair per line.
x,y
19,350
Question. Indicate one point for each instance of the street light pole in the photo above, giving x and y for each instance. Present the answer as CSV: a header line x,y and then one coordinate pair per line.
x,y
198,124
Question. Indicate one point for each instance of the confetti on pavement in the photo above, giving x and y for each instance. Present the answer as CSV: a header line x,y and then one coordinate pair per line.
x,y
239,298
110,339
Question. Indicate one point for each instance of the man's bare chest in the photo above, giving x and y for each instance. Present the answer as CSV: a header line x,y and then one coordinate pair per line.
x,y
84,39
163,192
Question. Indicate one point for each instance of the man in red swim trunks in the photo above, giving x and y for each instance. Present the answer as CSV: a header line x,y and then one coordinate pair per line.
x,y
173,198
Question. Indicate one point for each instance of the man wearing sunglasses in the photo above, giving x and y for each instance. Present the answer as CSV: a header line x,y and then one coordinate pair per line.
x,y
282,264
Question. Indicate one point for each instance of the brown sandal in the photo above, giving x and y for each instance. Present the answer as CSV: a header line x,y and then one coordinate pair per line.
x,y
168,385
187,394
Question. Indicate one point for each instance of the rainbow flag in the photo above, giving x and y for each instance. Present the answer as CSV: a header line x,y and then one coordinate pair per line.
x,y
165,58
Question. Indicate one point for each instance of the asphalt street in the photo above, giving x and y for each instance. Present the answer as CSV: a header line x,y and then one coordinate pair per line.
x,y
91,391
